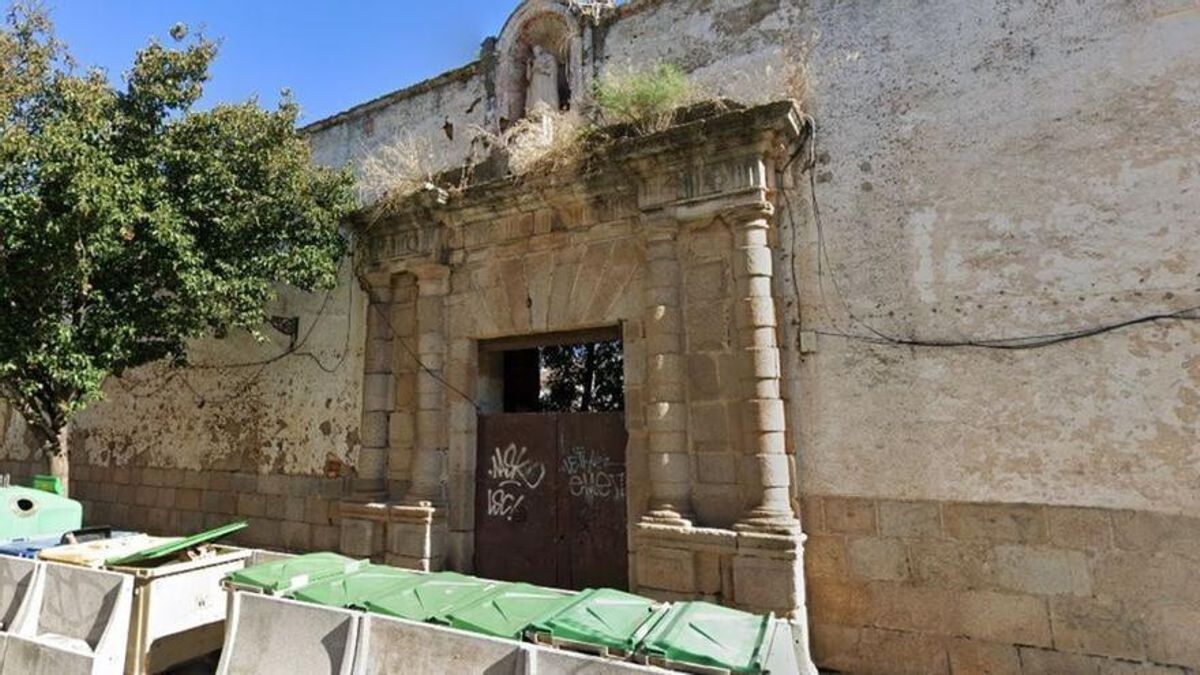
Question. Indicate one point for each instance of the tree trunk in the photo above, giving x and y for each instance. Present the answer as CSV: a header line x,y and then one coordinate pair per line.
x,y
589,376
58,456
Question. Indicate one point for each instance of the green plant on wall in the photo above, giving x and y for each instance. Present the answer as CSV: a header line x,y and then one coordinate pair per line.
x,y
131,223
646,99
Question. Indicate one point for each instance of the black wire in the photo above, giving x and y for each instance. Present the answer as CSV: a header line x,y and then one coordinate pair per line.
x,y
880,338
1028,341
261,365
374,303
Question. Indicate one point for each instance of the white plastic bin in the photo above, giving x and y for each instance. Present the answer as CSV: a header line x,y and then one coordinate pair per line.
x,y
179,609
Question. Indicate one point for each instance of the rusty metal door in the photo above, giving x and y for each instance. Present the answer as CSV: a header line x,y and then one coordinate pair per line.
x,y
550,499
516,498
591,478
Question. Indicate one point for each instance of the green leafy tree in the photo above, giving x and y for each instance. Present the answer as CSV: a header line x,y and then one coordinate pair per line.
x,y
583,378
131,223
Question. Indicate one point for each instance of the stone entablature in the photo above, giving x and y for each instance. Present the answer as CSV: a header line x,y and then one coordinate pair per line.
x,y
691,172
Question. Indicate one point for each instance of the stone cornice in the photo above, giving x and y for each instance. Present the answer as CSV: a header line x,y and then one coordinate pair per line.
x,y
689,172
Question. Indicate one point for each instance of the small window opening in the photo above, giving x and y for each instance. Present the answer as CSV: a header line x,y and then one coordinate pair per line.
x,y
573,373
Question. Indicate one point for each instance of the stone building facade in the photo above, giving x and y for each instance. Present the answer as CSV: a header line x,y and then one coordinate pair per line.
x,y
953,349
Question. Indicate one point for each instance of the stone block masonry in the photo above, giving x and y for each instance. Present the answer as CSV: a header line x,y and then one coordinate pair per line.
x,y
928,586
290,513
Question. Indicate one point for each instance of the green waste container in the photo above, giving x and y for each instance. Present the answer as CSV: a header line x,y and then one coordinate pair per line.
x,y
289,574
355,589
601,621
704,634
431,596
508,610
28,513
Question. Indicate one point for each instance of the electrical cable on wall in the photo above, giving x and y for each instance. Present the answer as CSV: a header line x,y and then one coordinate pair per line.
x,y
879,337
260,365
377,304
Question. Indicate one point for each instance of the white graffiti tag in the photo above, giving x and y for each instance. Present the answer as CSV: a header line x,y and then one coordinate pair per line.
x,y
592,476
514,473
512,468
503,503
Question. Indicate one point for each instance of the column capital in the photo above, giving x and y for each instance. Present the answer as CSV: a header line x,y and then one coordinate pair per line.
x,y
749,212
432,278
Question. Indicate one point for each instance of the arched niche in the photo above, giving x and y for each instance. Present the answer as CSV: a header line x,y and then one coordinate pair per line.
x,y
551,27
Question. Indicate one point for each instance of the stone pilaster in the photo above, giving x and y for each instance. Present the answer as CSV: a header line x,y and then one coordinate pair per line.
x,y
764,420
666,415
768,568
402,423
378,400
433,284
416,529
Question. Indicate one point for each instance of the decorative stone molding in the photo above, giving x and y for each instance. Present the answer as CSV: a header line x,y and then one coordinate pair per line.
x,y
399,244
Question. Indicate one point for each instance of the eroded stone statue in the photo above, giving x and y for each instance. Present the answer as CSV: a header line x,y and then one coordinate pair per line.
x,y
542,76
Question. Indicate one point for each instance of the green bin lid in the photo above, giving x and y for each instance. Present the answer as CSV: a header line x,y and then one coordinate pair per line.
x,y
701,633
280,576
51,484
508,610
603,617
171,548
431,596
356,588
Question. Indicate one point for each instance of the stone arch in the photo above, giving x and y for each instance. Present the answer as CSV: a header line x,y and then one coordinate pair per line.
x,y
551,25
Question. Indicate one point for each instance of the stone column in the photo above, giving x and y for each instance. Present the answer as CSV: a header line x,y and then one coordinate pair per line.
x,y
764,417
433,284
666,417
417,528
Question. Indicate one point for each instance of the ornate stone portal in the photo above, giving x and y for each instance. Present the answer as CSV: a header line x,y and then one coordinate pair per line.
x,y
668,236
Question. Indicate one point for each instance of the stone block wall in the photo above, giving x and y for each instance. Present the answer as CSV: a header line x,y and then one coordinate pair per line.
x,y
291,513
935,587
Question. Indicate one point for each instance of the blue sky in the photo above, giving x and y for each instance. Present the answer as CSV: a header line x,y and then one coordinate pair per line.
x,y
332,54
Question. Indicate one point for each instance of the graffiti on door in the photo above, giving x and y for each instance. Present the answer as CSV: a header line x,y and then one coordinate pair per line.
x,y
515,475
592,475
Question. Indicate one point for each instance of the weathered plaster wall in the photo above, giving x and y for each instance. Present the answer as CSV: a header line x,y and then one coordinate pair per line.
x,y
987,170
296,414
436,120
